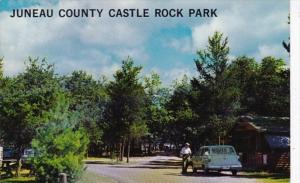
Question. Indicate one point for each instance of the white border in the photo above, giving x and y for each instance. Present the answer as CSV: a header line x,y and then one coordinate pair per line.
x,y
295,90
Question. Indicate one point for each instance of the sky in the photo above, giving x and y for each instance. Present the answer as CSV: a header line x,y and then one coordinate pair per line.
x,y
167,46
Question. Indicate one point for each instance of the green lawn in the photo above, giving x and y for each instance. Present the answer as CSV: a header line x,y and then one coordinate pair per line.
x,y
264,177
18,180
23,178
87,177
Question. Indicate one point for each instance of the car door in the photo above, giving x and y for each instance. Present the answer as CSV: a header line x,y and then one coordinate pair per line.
x,y
205,156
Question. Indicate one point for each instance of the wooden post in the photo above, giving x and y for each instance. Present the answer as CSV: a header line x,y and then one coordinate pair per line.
x,y
63,178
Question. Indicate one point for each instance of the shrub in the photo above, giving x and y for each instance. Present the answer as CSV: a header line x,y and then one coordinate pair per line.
x,y
59,148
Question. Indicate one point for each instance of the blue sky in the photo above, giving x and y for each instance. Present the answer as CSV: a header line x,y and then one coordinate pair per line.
x,y
167,46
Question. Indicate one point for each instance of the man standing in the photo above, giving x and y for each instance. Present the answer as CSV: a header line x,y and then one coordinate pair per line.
x,y
185,153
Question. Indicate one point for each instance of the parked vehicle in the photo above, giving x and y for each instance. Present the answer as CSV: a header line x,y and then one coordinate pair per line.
x,y
219,158
27,154
9,153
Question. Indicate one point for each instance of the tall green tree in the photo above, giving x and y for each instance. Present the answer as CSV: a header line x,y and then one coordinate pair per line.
x,y
25,104
272,94
183,126
216,100
1,69
157,115
242,74
125,112
1,89
88,97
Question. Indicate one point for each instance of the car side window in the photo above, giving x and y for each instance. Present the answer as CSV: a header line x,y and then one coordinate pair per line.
x,y
205,151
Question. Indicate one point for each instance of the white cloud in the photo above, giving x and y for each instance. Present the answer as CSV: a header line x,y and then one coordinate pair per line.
x,y
246,28
184,45
98,45
175,73
70,42
271,50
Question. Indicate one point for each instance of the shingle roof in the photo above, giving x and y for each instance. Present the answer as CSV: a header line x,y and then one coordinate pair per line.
x,y
268,124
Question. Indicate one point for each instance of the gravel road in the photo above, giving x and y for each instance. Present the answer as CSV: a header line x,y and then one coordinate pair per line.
x,y
165,169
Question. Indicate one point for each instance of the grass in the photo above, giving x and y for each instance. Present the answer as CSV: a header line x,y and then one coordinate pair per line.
x,y
265,177
23,178
86,177
18,180
94,178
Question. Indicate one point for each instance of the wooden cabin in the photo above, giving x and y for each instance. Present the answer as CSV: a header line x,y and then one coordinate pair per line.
x,y
262,142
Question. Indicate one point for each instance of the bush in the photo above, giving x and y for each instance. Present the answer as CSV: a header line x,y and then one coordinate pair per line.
x,y
59,148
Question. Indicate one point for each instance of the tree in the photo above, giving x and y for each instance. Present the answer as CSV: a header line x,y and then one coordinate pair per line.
x,y
183,125
286,45
157,115
25,104
1,69
243,75
125,111
272,94
1,88
88,97
59,148
215,99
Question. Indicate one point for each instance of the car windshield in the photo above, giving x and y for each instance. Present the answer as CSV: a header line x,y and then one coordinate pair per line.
x,y
222,150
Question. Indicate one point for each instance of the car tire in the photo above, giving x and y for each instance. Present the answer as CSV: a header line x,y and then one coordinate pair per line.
x,y
234,172
194,170
206,171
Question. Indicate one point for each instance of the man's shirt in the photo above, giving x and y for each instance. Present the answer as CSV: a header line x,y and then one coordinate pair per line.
x,y
185,150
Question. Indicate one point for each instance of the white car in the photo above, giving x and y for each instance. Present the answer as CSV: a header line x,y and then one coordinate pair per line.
x,y
219,157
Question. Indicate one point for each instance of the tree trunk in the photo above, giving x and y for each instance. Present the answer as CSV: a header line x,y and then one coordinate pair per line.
x,y
120,151
128,150
123,149
149,148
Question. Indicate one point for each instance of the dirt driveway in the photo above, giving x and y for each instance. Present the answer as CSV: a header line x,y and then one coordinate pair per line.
x,y
163,169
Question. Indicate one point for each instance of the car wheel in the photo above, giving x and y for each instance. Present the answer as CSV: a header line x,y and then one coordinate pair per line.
x,y
194,170
234,172
206,171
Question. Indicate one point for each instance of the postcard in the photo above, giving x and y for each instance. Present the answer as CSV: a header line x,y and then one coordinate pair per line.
x,y
145,91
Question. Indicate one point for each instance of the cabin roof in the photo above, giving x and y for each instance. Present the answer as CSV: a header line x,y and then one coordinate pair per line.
x,y
267,124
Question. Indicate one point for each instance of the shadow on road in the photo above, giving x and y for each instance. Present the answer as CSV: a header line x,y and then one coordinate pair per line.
x,y
154,165
101,162
200,174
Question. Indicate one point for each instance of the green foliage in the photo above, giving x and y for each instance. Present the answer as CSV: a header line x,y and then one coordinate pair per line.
x,y
25,102
183,120
88,97
1,69
157,116
243,73
59,148
125,112
214,99
273,88
127,99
